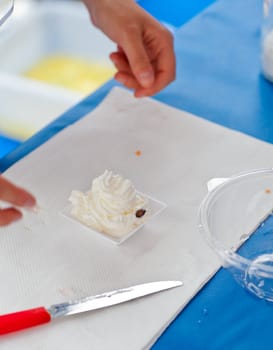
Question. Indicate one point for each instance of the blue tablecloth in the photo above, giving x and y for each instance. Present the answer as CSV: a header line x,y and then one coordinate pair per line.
x,y
218,78
7,144
175,12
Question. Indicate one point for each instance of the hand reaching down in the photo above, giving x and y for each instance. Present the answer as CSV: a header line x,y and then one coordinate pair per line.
x,y
145,58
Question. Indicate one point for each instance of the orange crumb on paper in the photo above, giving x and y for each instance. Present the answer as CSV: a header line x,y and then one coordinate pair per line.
x,y
267,190
138,153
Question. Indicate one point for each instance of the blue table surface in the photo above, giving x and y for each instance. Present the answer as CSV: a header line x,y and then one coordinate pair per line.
x,y
175,12
7,144
219,79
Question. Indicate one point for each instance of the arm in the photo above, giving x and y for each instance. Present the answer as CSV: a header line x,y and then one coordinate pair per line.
x,y
144,59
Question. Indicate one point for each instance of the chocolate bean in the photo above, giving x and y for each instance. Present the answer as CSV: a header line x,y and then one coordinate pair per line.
x,y
140,213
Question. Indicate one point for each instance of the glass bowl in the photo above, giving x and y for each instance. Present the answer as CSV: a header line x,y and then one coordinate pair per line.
x,y
236,219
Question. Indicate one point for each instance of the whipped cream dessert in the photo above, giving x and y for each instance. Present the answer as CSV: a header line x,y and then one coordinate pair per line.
x,y
111,206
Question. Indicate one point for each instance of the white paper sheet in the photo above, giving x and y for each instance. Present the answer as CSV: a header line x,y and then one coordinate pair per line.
x,y
46,258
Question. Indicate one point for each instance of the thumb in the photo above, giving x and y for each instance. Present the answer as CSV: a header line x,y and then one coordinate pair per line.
x,y
139,61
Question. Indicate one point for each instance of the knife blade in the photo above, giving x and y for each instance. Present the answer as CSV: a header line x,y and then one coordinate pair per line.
x,y
33,317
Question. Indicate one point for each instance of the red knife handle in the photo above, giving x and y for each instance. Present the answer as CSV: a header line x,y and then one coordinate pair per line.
x,y
23,319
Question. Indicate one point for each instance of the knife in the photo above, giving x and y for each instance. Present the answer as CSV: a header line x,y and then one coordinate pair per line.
x,y
33,317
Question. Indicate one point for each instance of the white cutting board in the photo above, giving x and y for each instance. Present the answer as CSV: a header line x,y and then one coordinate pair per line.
x,y
47,259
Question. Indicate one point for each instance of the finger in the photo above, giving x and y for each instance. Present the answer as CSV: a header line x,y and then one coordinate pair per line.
x,y
120,62
139,60
160,83
165,64
165,73
9,215
15,195
124,74
127,80
118,55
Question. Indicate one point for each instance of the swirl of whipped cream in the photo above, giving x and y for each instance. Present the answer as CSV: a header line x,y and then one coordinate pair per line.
x,y
110,205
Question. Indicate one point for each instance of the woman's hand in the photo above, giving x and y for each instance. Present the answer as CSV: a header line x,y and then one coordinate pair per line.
x,y
15,196
144,59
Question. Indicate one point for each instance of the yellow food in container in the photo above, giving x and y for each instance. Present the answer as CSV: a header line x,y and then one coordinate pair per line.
x,y
72,73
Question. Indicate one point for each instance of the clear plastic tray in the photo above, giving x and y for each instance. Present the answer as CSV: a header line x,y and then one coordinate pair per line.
x,y
155,208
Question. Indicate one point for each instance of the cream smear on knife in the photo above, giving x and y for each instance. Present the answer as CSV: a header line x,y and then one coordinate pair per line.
x,y
111,206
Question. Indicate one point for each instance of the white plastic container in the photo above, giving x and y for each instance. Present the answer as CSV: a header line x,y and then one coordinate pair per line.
x,y
27,106
36,30
267,40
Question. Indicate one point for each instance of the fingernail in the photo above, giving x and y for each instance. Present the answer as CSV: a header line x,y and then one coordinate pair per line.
x,y
146,79
30,202
140,94
33,209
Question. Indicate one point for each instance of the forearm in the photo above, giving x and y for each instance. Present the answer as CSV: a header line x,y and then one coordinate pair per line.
x,y
97,8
